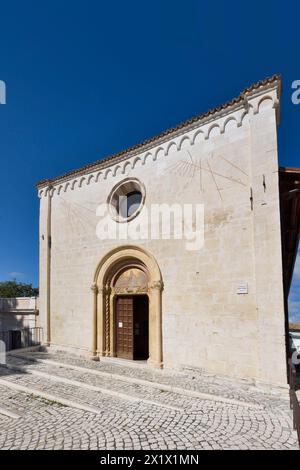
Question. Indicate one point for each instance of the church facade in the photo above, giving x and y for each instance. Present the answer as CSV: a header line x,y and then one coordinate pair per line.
x,y
206,288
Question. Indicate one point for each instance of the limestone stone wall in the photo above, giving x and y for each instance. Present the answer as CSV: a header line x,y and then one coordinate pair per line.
x,y
227,162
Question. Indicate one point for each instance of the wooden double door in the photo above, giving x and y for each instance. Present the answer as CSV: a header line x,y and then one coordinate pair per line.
x,y
132,327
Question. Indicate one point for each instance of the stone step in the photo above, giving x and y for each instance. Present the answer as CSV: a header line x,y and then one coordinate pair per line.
x,y
78,393
21,403
47,396
111,383
8,412
203,387
103,421
60,376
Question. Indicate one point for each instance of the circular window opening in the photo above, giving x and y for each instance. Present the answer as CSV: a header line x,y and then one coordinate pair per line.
x,y
129,204
126,200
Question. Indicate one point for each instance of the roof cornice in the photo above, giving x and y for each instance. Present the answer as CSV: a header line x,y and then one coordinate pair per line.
x,y
236,103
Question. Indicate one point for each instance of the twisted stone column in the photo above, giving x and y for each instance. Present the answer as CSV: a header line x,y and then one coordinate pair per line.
x,y
100,323
107,320
94,289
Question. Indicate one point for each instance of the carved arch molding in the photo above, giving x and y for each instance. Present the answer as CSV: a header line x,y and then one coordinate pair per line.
x,y
126,270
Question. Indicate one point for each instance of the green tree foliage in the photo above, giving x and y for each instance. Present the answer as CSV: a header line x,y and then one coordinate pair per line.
x,y
17,289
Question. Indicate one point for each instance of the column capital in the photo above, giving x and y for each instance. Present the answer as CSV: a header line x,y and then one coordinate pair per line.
x,y
94,288
104,290
107,289
157,285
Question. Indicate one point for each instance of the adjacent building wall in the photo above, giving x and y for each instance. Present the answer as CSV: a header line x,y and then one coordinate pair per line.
x,y
18,313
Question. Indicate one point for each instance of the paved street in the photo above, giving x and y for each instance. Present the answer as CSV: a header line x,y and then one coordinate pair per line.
x,y
58,401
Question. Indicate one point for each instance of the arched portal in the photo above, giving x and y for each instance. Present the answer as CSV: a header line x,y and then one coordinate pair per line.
x,y
128,279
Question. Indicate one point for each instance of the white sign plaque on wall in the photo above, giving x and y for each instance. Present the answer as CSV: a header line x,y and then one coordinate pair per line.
x,y
242,288
120,324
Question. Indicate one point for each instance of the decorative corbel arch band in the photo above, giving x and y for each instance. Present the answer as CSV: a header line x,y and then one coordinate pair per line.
x,y
192,136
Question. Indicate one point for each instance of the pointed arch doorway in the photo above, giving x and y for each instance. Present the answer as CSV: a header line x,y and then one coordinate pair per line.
x,y
127,320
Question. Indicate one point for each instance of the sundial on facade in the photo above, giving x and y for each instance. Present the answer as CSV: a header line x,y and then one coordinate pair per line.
x,y
203,168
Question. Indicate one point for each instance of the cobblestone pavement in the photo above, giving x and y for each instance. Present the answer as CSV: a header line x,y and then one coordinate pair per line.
x,y
134,408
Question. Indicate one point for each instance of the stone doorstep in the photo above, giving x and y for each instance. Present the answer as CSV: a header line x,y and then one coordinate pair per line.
x,y
126,362
85,355
160,386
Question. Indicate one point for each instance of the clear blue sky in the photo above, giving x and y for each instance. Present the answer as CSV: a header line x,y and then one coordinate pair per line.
x,y
89,78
